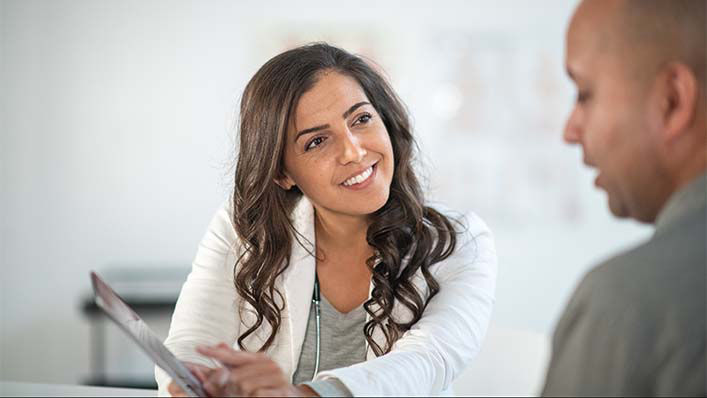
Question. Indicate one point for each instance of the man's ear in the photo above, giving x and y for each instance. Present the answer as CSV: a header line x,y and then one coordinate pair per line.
x,y
679,102
285,182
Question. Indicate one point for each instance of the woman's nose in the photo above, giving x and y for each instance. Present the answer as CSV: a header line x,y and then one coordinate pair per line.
x,y
351,148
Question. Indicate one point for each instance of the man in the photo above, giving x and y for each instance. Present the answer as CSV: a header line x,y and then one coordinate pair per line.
x,y
636,323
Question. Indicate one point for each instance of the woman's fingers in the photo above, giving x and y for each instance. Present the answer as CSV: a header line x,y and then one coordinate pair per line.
x,y
244,373
196,366
200,371
270,392
246,379
174,390
251,377
249,386
218,383
288,391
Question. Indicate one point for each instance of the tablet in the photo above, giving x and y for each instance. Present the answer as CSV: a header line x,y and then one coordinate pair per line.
x,y
130,322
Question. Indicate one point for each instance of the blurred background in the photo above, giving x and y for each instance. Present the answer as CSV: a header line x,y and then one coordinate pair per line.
x,y
117,146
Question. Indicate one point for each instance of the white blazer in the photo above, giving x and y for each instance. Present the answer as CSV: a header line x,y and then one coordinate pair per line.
x,y
424,361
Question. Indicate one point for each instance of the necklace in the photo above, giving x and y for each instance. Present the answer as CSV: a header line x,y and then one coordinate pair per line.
x,y
316,300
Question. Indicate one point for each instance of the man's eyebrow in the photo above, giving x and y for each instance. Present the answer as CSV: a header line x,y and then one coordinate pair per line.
x,y
353,108
311,130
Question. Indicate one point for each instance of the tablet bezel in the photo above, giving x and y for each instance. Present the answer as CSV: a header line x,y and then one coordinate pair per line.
x,y
122,315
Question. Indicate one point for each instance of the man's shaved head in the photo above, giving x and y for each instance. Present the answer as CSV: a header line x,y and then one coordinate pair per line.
x,y
639,68
648,33
667,30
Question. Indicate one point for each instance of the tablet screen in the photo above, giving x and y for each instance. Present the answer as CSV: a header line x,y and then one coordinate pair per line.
x,y
120,313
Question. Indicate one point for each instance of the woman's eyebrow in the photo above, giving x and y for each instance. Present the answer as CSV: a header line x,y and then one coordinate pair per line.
x,y
311,130
326,126
353,108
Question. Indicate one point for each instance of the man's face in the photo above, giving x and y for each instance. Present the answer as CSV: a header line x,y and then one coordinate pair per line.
x,y
609,117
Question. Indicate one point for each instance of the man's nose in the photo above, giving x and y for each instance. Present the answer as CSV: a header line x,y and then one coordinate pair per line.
x,y
572,131
351,149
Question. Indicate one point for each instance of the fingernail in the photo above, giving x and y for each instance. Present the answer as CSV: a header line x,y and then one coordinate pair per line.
x,y
223,377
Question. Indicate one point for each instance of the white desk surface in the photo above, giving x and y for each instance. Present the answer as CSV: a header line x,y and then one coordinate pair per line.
x,y
13,389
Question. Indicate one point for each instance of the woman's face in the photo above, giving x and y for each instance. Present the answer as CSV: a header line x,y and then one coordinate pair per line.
x,y
338,151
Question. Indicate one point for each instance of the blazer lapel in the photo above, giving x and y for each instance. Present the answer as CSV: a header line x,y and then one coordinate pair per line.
x,y
298,281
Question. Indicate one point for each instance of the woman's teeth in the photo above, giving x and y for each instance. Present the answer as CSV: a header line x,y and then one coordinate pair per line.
x,y
359,178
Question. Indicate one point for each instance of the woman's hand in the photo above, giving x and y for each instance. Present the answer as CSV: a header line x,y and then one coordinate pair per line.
x,y
200,371
247,374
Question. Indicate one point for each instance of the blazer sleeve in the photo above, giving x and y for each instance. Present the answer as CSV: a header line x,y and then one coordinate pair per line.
x,y
429,356
207,307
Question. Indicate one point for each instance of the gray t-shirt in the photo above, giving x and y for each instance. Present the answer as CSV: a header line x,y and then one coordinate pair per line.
x,y
342,344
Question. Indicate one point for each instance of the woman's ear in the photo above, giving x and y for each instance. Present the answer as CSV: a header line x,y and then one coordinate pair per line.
x,y
285,182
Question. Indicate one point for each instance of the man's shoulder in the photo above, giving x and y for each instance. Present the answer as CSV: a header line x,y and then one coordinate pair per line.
x,y
635,317
680,249
665,273
617,277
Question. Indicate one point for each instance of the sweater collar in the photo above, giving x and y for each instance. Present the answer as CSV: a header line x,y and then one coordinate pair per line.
x,y
683,203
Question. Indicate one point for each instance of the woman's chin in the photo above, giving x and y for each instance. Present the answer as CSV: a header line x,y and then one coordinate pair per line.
x,y
364,206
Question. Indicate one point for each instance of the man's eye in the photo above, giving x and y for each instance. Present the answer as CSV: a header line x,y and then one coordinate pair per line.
x,y
314,143
582,96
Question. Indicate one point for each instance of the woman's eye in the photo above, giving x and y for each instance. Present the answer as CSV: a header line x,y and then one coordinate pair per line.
x,y
314,143
363,119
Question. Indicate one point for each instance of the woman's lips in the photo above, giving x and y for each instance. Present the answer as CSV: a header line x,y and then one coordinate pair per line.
x,y
365,183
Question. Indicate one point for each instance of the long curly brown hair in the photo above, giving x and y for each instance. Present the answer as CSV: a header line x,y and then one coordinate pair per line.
x,y
404,228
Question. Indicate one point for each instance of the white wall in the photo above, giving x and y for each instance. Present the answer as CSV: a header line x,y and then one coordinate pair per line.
x,y
116,145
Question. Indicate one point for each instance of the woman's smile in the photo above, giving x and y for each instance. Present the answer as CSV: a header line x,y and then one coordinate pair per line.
x,y
361,180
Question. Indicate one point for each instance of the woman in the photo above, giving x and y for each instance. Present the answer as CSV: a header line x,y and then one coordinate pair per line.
x,y
328,219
